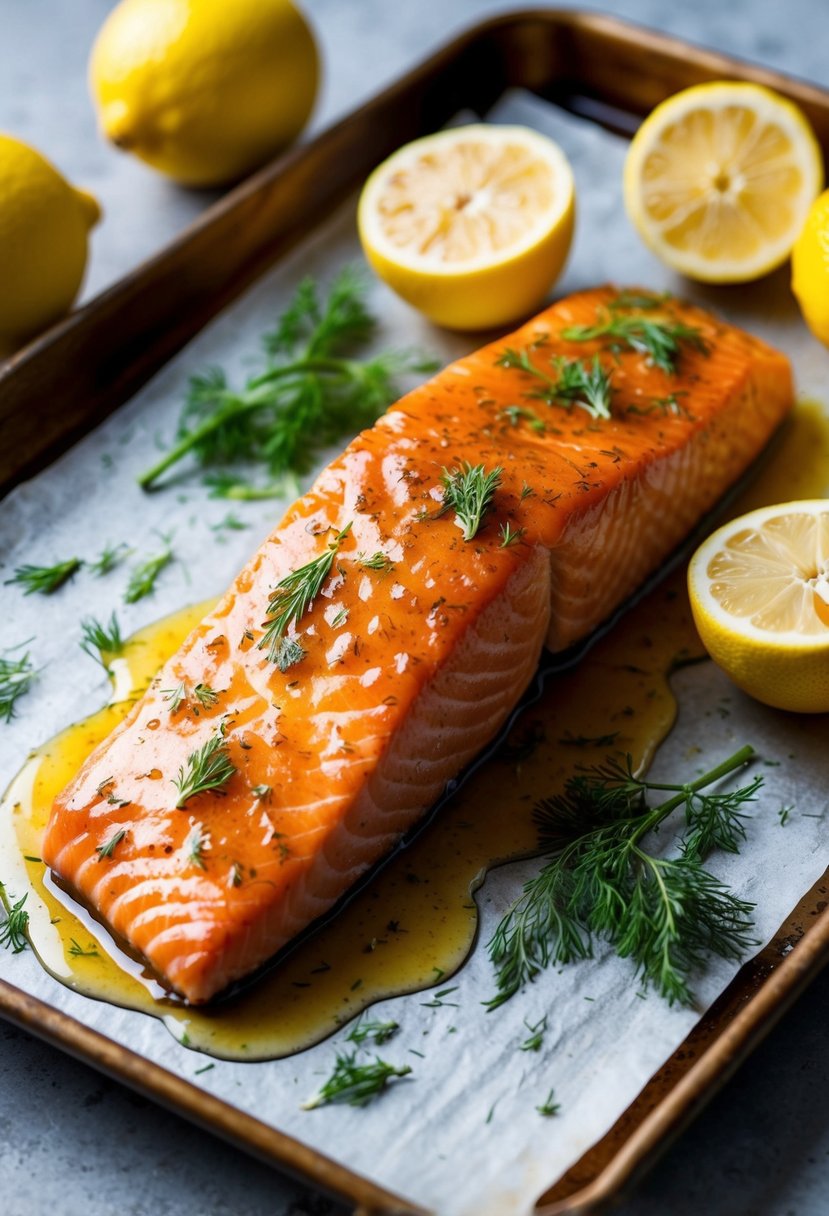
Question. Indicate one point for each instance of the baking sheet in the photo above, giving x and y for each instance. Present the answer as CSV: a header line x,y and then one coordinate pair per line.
x,y
462,1134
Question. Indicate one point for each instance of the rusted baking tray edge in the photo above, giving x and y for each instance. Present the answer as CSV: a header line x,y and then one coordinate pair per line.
x,y
77,373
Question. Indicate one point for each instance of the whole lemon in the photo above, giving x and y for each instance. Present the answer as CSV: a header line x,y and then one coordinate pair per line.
x,y
44,225
204,90
810,269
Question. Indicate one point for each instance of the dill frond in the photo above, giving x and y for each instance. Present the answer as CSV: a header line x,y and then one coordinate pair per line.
x,y
667,914
44,580
468,491
208,768
353,1083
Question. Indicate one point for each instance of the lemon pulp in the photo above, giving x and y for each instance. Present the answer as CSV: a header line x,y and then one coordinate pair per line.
x,y
719,179
471,226
759,591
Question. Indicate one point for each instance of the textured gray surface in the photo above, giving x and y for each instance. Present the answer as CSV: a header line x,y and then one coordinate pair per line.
x,y
72,1142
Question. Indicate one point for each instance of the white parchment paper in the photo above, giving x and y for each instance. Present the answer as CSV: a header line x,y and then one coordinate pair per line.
x,y
462,1135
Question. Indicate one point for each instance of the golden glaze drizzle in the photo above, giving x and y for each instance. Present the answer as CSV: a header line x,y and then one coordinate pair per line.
x,y
415,922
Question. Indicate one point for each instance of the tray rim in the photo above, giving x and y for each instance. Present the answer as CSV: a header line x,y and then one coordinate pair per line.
x,y
788,969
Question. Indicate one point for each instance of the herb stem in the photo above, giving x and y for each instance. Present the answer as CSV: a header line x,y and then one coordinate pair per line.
x,y
738,760
238,406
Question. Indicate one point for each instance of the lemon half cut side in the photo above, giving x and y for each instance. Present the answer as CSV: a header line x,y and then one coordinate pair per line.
x,y
759,589
472,225
719,180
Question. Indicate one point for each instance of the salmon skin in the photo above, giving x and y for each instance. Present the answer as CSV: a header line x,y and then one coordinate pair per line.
x,y
412,660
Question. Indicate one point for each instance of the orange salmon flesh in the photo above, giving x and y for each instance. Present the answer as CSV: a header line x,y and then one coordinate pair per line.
x,y
409,671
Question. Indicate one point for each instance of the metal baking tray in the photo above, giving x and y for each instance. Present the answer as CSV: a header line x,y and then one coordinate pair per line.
x,y
597,67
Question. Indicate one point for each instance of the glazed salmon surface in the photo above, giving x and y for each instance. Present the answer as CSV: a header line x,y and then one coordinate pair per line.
x,y
410,671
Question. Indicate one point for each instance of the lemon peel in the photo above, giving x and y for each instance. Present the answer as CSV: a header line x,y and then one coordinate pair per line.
x,y
204,90
44,227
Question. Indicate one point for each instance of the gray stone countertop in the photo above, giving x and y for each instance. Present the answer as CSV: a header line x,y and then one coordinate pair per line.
x,y
75,1144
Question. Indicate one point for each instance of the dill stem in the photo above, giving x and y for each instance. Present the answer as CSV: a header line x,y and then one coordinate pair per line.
x,y
740,758
252,400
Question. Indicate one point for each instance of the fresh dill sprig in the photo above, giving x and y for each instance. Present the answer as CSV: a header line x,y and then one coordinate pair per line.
x,y
107,850
668,914
13,928
377,1032
353,1083
16,676
469,491
176,696
143,577
549,1106
660,338
584,384
510,536
76,950
202,694
575,383
288,653
312,392
205,695
536,1037
208,768
294,594
45,579
377,561
104,638
109,557
514,414
197,844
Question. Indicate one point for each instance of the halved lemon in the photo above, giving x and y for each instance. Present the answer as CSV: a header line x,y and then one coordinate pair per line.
x,y
759,589
471,226
719,180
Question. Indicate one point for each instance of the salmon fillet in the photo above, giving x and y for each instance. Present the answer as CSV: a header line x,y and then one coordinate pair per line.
x,y
409,671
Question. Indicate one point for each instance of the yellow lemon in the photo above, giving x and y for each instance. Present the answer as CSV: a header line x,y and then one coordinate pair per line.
x,y
810,269
719,179
759,589
204,90
471,226
44,226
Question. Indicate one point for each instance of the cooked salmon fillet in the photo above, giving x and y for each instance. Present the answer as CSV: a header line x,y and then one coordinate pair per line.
x,y
409,671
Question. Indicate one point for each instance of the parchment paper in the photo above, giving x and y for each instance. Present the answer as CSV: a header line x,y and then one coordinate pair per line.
x,y
462,1135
